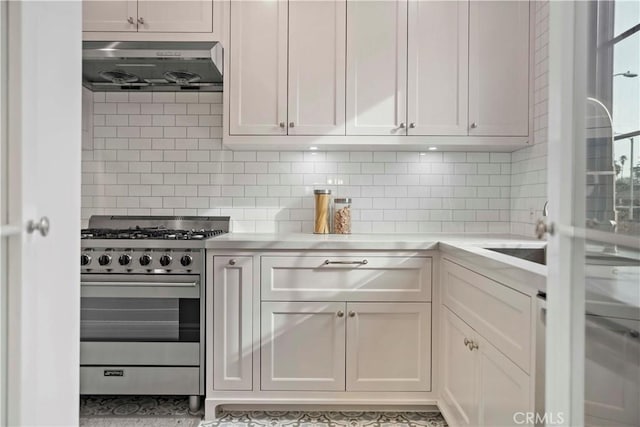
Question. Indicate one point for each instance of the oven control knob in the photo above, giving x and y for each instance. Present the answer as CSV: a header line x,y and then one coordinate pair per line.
x,y
186,260
85,259
104,259
165,260
125,259
145,259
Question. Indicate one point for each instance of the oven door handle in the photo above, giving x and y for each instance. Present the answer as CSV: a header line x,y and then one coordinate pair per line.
x,y
143,284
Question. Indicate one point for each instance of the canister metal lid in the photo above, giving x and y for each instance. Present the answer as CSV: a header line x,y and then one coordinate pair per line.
x,y
342,200
322,191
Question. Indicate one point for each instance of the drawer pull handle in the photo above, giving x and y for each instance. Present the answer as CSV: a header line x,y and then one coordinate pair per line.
x,y
232,262
473,345
340,313
467,342
352,314
363,262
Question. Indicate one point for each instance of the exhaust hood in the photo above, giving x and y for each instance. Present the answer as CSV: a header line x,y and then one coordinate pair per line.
x,y
152,66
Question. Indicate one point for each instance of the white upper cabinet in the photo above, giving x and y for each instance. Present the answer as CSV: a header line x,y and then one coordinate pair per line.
x,y
317,34
376,67
438,67
151,16
107,15
183,16
499,68
257,77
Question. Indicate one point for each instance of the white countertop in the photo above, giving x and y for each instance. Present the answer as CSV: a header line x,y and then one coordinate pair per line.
x,y
465,246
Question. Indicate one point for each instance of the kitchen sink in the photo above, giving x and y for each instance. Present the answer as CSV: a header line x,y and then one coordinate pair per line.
x,y
537,255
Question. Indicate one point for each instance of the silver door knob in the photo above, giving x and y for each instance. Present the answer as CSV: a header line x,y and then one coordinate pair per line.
x,y
340,313
131,20
282,124
474,125
466,342
352,314
291,124
42,226
542,228
141,20
402,125
232,262
412,125
473,346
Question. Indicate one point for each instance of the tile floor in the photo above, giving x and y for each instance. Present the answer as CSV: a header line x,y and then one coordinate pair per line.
x,y
173,411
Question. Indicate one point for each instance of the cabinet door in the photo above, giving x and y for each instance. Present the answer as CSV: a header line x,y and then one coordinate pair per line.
x,y
389,347
317,36
499,68
258,68
376,67
503,388
110,15
303,346
438,67
233,343
459,369
177,16
612,370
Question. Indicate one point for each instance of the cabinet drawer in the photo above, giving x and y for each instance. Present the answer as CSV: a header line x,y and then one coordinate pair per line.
x,y
498,313
139,380
346,278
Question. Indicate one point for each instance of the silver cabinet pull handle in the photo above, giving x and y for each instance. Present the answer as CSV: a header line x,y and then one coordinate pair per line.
x,y
466,342
282,124
340,313
352,314
291,124
363,262
131,21
402,125
141,20
412,125
232,262
42,226
474,125
473,345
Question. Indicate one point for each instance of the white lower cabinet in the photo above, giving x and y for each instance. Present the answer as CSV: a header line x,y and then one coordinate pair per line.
x,y
303,346
388,347
480,385
232,338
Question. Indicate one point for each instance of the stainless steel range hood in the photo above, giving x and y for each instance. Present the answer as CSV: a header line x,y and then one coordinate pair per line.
x,y
152,66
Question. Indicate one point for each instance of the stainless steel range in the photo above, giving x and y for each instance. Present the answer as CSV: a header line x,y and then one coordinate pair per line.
x,y
142,304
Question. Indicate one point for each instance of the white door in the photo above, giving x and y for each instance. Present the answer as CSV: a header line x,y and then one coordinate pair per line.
x,y
232,319
499,68
438,67
303,345
459,369
257,78
503,388
44,112
377,67
110,15
176,16
612,371
317,37
388,347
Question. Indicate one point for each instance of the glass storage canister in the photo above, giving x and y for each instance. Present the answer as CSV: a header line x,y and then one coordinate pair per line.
x,y
321,223
342,215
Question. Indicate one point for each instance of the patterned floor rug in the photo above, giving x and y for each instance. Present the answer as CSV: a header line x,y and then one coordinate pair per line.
x,y
173,411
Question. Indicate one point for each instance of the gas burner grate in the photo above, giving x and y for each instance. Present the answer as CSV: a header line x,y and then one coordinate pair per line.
x,y
139,233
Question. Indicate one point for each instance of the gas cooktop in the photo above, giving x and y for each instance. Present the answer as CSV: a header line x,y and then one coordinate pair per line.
x,y
148,233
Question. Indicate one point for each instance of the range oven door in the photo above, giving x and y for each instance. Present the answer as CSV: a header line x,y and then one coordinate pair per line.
x,y
141,334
